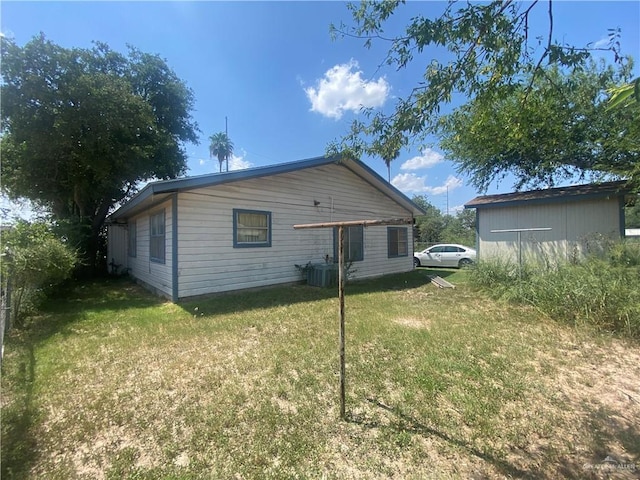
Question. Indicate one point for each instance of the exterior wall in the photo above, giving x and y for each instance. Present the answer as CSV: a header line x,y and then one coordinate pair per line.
x,y
573,226
117,243
208,263
156,275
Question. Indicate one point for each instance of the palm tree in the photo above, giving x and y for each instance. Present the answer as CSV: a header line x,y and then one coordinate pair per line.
x,y
221,147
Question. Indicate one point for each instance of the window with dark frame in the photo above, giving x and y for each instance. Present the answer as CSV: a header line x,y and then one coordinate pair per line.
x,y
251,228
353,243
133,238
397,242
157,237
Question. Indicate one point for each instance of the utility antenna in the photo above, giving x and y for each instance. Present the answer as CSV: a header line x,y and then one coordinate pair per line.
x,y
226,132
447,199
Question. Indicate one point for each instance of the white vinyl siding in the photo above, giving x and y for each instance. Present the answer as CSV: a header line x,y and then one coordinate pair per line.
x,y
117,261
208,261
142,267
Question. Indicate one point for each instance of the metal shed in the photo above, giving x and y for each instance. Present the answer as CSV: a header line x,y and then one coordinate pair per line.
x,y
565,222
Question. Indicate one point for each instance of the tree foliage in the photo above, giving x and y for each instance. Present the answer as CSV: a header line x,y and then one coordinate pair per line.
x,y
82,127
559,128
436,227
34,261
487,47
221,147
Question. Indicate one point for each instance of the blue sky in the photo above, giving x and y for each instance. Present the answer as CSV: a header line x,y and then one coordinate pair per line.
x,y
285,86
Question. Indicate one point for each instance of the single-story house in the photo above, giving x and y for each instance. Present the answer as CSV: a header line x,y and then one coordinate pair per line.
x,y
554,224
234,230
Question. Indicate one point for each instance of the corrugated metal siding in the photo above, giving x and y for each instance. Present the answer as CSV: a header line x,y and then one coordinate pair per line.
x,y
574,226
156,275
117,244
207,261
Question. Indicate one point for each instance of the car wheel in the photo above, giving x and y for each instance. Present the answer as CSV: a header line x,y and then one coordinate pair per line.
x,y
465,262
416,262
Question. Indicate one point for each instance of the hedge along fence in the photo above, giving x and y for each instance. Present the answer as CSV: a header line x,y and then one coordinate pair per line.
x,y
34,260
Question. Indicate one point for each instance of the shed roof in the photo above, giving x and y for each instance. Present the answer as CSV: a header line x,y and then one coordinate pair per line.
x,y
551,195
159,191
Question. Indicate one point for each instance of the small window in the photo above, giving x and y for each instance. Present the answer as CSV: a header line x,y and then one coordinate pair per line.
x,y
397,242
436,250
157,238
353,243
251,228
133,239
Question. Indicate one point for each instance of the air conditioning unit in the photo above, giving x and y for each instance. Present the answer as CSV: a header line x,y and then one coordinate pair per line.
x,y
322,275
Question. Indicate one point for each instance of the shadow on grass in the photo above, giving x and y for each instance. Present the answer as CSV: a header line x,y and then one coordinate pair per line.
x,y
605,429
409,424
276,296
77,299
19,441
57,316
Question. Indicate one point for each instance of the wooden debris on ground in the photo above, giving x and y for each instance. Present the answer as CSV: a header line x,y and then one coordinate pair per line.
x,y
440,282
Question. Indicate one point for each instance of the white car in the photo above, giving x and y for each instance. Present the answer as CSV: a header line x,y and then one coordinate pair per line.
x,y
445,255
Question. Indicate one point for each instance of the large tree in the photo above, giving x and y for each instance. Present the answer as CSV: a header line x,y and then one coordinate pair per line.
x,y
436,227
81,128
553,127
487,46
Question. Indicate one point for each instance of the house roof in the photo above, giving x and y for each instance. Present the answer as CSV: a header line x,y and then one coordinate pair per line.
x,y
156,192
551,195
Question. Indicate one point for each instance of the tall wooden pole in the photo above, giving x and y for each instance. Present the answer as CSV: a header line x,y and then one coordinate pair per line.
x,y
341,279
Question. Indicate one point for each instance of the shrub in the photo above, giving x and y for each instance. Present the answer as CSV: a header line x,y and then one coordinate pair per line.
x,y
598,292
34,261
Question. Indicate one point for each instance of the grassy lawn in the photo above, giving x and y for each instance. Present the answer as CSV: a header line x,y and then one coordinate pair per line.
x,y
111,382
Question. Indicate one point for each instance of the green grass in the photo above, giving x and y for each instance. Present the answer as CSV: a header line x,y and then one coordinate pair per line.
x,y
598,293
111,382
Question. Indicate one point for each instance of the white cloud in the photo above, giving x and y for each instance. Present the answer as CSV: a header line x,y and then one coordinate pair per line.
x,y
412,183
202,161
239,163
428,159
602,43
342,89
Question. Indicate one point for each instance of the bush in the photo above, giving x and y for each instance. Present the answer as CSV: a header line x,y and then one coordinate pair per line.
x,y
600,293
34,261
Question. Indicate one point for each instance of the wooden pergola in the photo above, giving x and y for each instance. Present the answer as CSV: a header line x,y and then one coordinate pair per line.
x,y
341,281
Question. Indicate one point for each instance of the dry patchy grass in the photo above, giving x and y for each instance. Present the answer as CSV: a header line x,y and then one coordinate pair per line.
x,y
113,383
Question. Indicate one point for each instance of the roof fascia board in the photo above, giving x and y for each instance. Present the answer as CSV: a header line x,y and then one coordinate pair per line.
x,y
567,198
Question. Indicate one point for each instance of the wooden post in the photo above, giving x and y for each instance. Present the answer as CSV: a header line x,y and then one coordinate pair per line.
x,y
341,279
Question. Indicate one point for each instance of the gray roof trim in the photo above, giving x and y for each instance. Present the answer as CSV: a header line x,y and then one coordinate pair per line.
x,y
140,200
551,195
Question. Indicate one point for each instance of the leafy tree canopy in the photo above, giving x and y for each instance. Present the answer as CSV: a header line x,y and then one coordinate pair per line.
x,y
556,126
82,127
436,227
488,48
